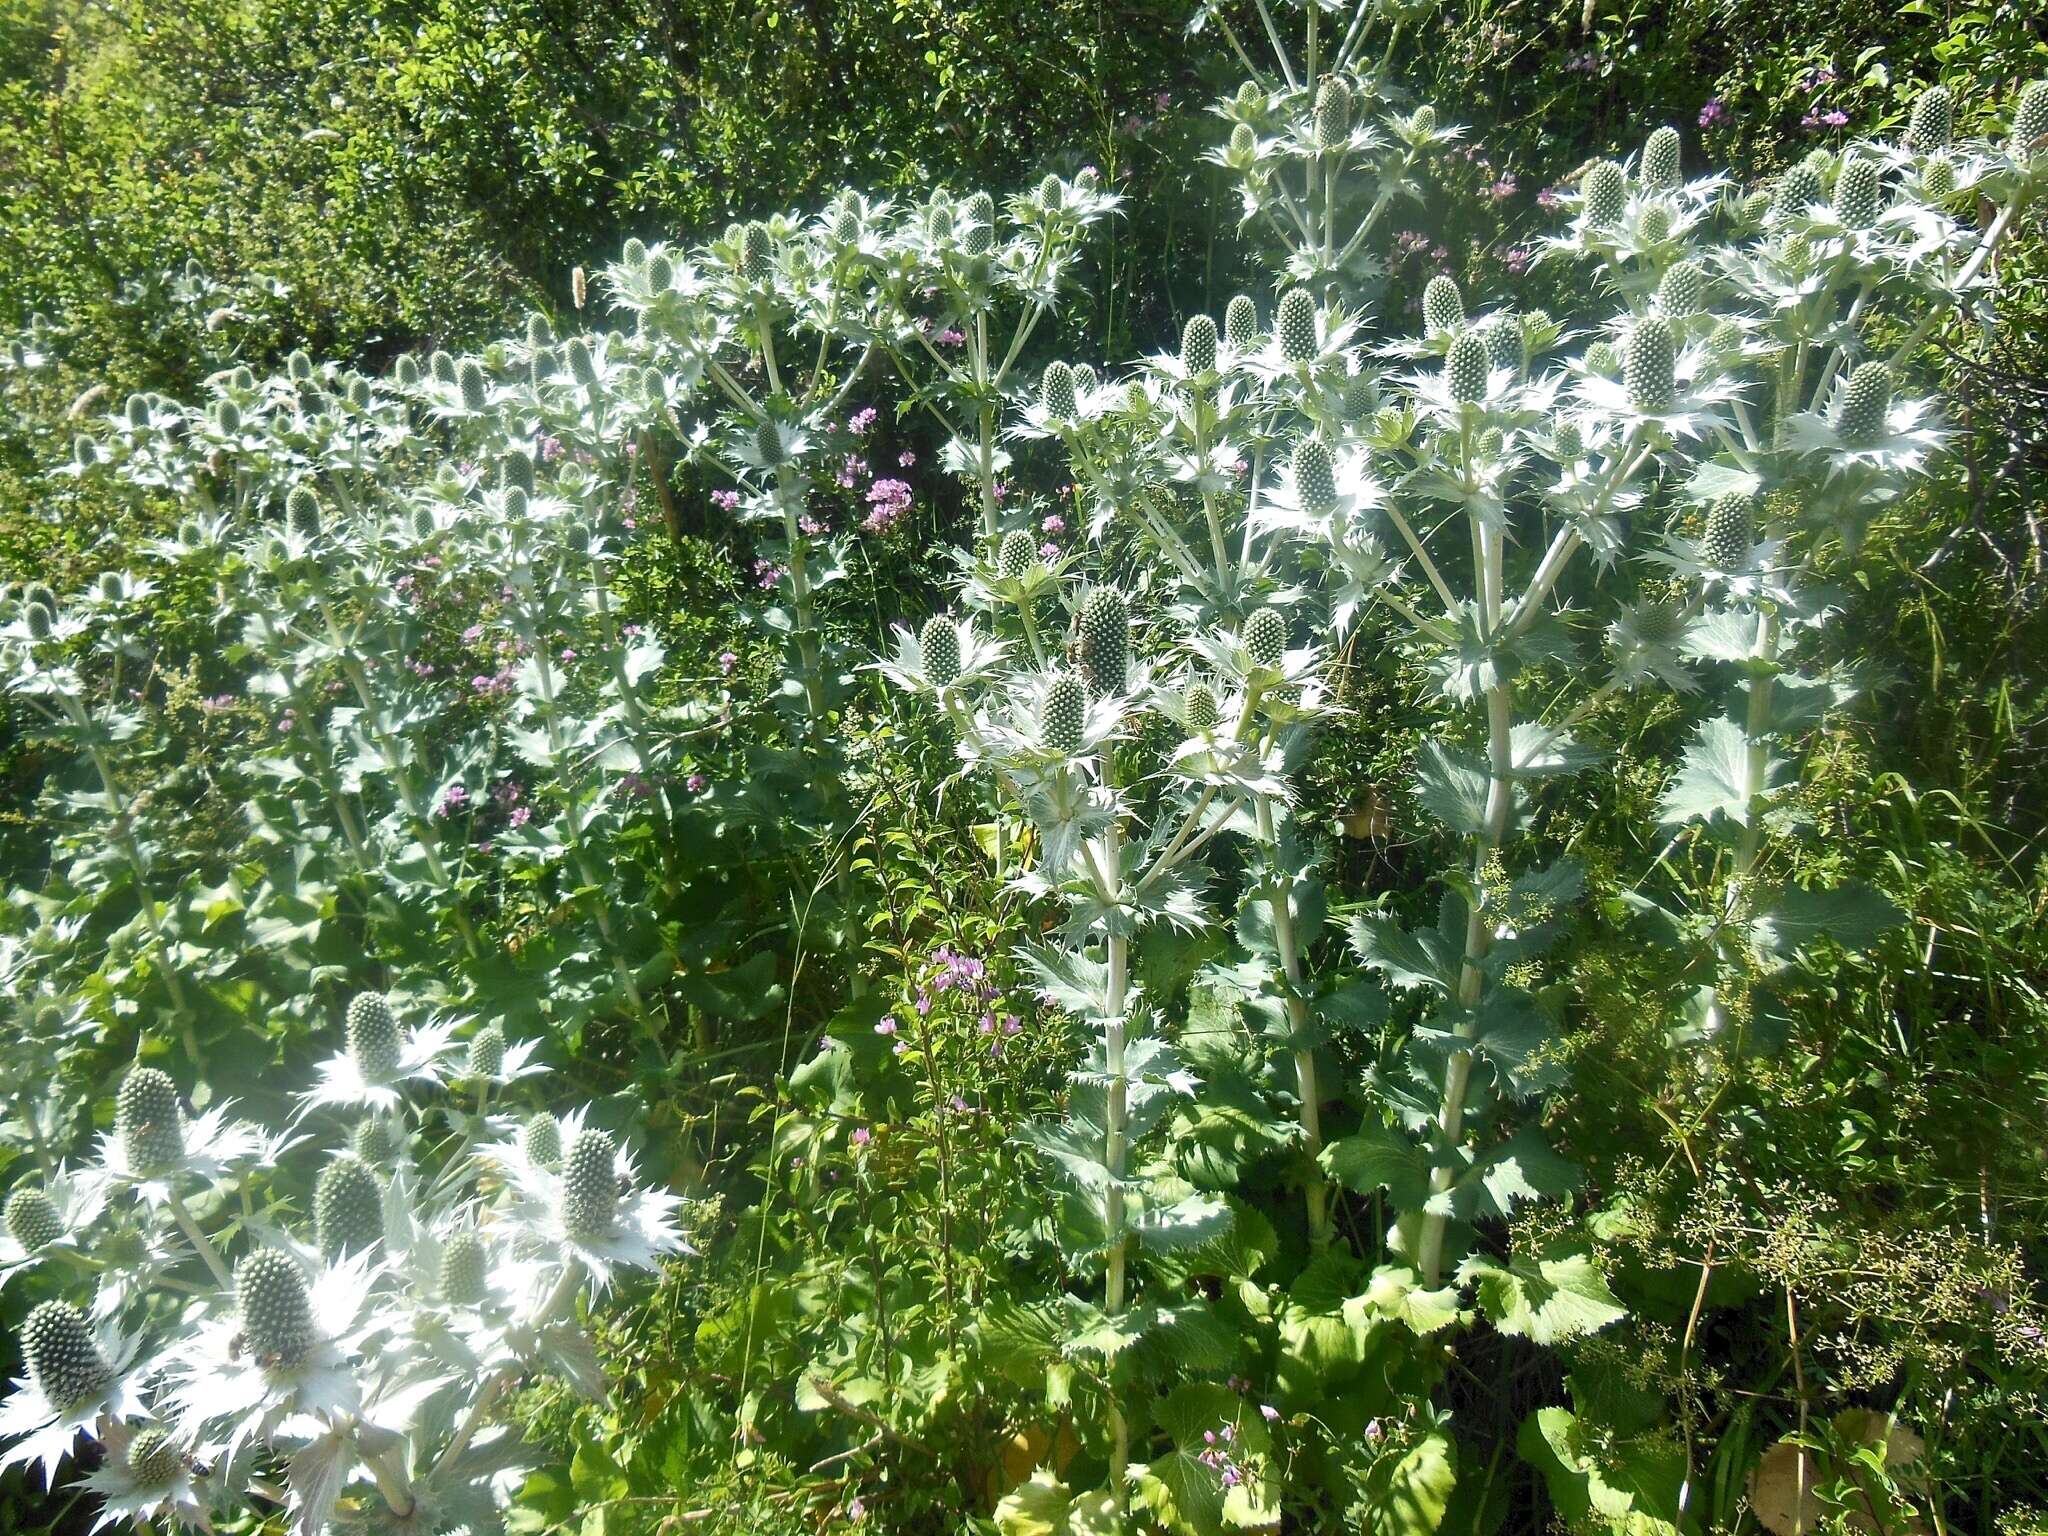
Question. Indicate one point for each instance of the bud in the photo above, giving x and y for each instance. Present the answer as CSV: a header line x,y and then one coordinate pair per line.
x,y
581,363
1105,640
1056,392
302,512
1933,123
846,224
1201,709
1649,370
1726,342
661,273
113,587
980,237
940,646
154,1460
1656,224
1066,715
372,1141
228,417
442,366
1424,120
465,1269
635,253
407,371
1798,190
84,451
371,1029
1244,144
63,1358
138,410
516,468
1295,325
149,1122
1661,170
1938,178
1606,193
541,1140
1683,289
1730,531
1241,324
1865,404
1265,637
768,444
514,501
579,287
469,378
348,1208
1503,340
1333,114
1443,307
1051,195
32,1218
1856,192
1570,441
1315,477
277,1316
757,255
1014,559
39,620
538,332
299,366
2030,117
1601,358
1198,345
590,1186
1465,369
487,1052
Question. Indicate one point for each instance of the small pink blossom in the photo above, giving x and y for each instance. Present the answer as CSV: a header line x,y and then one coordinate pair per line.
x,y
726,662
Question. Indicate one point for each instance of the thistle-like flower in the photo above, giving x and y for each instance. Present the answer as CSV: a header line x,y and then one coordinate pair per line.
x,y
378,1058
592,1211
1332,114
1198,346
1315,477
1265,637
1661,171
1649,366
1065,715
147,1479
150,1122
1605,193
1105,649
76,1374
1056,392
348,1208
1467,366
1860,417
1856,191
1683,289
1730,532
1933,124
1443,307
1241,324
1294,326
302,513
474,387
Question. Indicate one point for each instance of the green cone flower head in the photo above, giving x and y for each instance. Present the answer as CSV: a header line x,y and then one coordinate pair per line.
x,y
277,1315
1265,637
1443,307
487,1052
407,371
154,1459
541,1140
299,366
1466,365
1014,559
1198,345
1503,340
980,238
590,1185
1066,715
1333,113
1730,531
469,378
581,364
32,1218
1865,404
1295,325
1241,324
1649,369
442,366
1683,289
113,587
228,416
1244,144
1933,122
538,332
1570,440
1661,170
1938,178
846,224
2030,117
768,444
661,273
516,469
1606,194
1105,640
1798,190
373,1142
348,1207
371,1029
302,512
1424,119
138,410
515,505
63,1358
635,252
1084,379
39,620
940,646
1051,195
1856,192
39,594
1315,477
149,1122
1201,708
465,1269
757,255
1656,225
1056,392
1726,340
1603,359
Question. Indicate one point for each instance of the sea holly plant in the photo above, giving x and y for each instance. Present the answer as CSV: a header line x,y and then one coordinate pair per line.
x,y
347,1365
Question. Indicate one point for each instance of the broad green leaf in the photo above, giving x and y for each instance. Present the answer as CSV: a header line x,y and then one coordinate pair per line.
x,y
1545,1300
1045,1507
1852,915
1628,1487
1376,1158
1407,1496
1452,788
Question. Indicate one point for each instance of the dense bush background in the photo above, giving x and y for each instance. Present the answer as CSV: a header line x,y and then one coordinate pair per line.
x,y
362,178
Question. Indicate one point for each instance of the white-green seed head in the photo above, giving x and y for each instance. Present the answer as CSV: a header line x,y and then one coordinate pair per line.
x,y
299,366
154,1460
1105,640
487,1052
1503,338
1938,178
373,1142
590,1185
348,1207
63,1358
1241,324
768,444
1066,714
1865,404
581,364
539,333
661,273
1797,190
32,1218
1295,325
228,417
373,1039
1051,194
1729,532
1933,123
302,512
541,1140
1201,708
1198,346
1244,143
635,252
469,379
465,1269
1424,120
1856,190
1333,114
407,371
1606,194
1056,392
150,1122
1661,157
1013,559
1466,366
1570,440
1315,477
276,1313
442,366
1649,369
1656,224
940,644
980,236
1443,307
1683,289
1265,637
516,469
2030,118
757,255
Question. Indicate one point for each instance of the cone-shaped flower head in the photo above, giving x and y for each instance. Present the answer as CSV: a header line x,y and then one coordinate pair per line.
x,y
299,366
1201,708
1656,224
1443,307
980,237
348,1207
1865,404
277,1314
465,1266
1503,340
1315,476
302,512
469,378
1571,442
1606,189
1424,119
515,504
661,273
359,392
372,1034
1856,192
1105,639
407,371
1726,340
1798,190
487,1051
940,644
1649,369
1938,178
1051,195
1012,560
1661,160
768,444
1465,368
1333,113
149,1122
1683,289
590,1185
229,416
1056,392
1241,323
63,1358
1265,637
581,364
39,619
32,1218
1243,142
1934,120
2030,116
516,468
757,254
541,1140
372,1141
442,366
39,594
154,1459
1198,345
1730,531
1602,358
635,252
538,332
1295,325
1066,714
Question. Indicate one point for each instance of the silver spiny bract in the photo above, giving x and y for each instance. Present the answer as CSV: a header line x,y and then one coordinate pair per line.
x,y
1683,289
1105,640
487,1052
1856,192
590,1185
372,1033
32,1218
940,645
1295,325
1730,531
1198,346
1333,114
302,512
541,1140
1649,368
1014,558
154,1459
1066,715
63,1358
1466,365
469,379
1797,190
465,1269
1056,392
757,255
149,1122
768,444
372,1140
1865,404
348,1207
1241,323
1443,307
1201,708
2030,117
1661,156
1265,637
1606,194
1933,122
1315,476
276,1313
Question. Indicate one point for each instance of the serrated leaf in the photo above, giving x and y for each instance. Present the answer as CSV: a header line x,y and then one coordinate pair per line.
x,y
1408,1496
1044,1506
1452,787
1853,915
1407,958
1376,1158
1713,777
1629,1487
1545,1300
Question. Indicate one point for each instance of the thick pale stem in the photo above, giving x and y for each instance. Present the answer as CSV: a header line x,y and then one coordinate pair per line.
x,y
1114,1149
201,1244
1755,773
1315,1192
